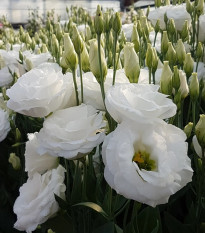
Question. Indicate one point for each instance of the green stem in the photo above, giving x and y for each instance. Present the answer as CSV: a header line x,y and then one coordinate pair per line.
x,y
81,76
114,58
67,180
153,75
188,113
194,114
197,63
155,37
150,75
75,86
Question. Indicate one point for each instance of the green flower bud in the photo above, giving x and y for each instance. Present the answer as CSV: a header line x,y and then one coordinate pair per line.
x,y
188,65
171,54
164,43
44,48
157,26
131,63
171,27
88,34
20,58
139,28
14,161
144,24
59,33
176,79
148,10
28,39
194,87
77,40
188,129
200,131
180,52
29,65
167,2
200,8
166,19
85,59
50,231
70,56
37,39
135,39
33,44
177,100
98,22
94,61
185,31
106,17
166,79
117,23
155,60
158,3
38,51
199,50
189,7
149,56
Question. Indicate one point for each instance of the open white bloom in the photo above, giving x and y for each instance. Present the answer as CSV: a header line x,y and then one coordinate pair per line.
x,y
36,202
34,162
179,14
40,91
4,124
197,147
35,59
5,77
143,101
71,132
202,28
127,29
184,89
146,162
92,92
144,75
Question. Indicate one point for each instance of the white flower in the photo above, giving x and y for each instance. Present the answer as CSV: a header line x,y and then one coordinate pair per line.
x,y
71,132
131,101
197,147
179,14
36,202
200,70
4,124
202,28
184,89
91,88
144,76
5,77
127,29
40,91
34,162
35,59
146,162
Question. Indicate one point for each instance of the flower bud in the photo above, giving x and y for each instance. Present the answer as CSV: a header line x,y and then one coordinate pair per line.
x,y
155,60
199,50
50,231
200,131
14,161
139,28
44,48
183,89
180,52
144,24
37,39
116,23
70,56
171,54
171,27
106,17
157,26
98,21
131,63
167,2
59,33
85,59
185,31
20,56
135,39
164,43
194,87
54,46
166,79
158,3
29,64
77,40
149,56
176,79
188,129
188,65
200,8
189,7
94,61
28,39
177,100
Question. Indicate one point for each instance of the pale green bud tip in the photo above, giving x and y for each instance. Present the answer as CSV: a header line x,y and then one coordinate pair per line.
x,y
50,231
149,56
98,22
166,79
200,131
157,26
188,64
188,129
194,87
117,24
175,78
199,50
14,161
200,7
77,40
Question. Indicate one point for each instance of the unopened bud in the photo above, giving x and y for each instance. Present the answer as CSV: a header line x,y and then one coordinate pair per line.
x,y
185,31
155,60
37,39
144,24
200,8
166,79
14,161
199,50
98,21
194,87
54,45
131,63
171,27
149,56
189,7
117,23
164,43
106,17
158,3
200,131
85,59
28,39
180,52
188,129
188,65
139,28
171,54
77,40
157,26
59,33
29,64
135,39
167,2
176,79
183,89
44,48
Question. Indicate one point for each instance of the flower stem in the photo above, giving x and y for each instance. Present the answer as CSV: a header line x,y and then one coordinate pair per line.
x,y
194,114
150,75
75,86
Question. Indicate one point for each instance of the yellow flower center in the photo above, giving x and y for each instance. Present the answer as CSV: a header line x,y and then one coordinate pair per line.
x,y
142,159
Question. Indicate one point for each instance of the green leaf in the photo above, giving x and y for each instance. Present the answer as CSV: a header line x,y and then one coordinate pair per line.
x,y
94,207
62,204
118,229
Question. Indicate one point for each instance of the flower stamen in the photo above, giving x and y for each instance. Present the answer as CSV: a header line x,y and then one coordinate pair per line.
x,y
142,159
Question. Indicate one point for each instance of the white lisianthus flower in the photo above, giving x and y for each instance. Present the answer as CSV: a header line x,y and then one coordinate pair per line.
x,y
41,91
146,162
158,13
179,14
35,59
4,124
35,163
9,57
71,132
92,93
5,77
131,101
127,29
184,89
36,202
201,28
